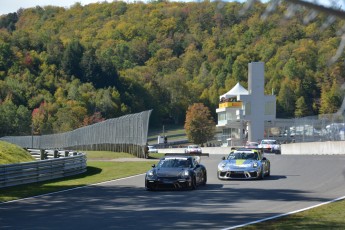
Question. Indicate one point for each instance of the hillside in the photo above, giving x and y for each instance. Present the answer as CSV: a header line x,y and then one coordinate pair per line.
x,y
61,69
10,154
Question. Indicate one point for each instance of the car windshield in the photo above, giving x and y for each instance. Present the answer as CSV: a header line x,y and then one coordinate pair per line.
x,y
243,156
193,146
174,163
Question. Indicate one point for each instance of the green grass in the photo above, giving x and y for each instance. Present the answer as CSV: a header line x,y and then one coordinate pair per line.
x,y
173,132
168,130
329,216
97,171
156,155
104,155
11,154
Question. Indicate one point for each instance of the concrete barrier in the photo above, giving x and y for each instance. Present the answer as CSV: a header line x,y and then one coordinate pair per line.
x,y
209,150
314,148
304,148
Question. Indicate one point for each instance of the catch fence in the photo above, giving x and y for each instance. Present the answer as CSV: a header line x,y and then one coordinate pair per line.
x,y
323,127
124,134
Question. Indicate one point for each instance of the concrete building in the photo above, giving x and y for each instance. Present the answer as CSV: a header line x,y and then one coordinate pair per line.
x,y
242,113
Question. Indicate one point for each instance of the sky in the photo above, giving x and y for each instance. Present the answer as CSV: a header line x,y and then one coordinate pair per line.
x,y
10,6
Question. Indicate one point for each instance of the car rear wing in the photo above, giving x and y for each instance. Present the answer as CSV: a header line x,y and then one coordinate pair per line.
x,y
243,149
187,154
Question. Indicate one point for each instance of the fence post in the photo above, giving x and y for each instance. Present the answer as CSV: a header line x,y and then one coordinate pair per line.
x,y
43,155
56,154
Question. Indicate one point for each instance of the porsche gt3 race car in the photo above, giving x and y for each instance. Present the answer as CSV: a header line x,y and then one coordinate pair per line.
x,y
176,172
244,164
193,149
270,146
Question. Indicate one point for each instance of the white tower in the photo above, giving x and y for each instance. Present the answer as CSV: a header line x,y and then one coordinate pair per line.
x,y
239,107
258,106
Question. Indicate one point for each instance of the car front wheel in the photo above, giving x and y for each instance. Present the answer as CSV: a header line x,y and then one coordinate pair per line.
x,y
262,174
204,179
193,183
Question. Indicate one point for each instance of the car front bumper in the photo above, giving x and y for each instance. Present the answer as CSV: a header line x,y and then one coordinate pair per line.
x,y
239,174
168,183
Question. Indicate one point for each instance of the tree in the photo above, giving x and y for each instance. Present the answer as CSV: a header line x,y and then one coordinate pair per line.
x,y
71,58
14,120
331,99
199,125
301,108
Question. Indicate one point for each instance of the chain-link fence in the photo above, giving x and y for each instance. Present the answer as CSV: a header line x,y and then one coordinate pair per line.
x,y
326,127
124,134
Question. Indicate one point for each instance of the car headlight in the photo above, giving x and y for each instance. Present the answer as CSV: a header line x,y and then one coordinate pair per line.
x,y
221,166
255,164
150,173
184,174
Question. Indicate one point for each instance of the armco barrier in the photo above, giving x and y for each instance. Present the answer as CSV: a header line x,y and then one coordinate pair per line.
x,y
42,170
43,154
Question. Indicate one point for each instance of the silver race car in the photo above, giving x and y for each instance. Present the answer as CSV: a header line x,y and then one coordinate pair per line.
x,y
270,146
244,164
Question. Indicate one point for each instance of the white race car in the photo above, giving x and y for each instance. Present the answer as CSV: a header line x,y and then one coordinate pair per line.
x,y
270,146
193,149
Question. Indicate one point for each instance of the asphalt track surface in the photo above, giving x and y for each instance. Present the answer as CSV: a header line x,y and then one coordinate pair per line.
x,y
296,182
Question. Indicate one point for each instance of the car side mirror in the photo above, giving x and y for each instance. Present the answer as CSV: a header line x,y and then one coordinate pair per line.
x,y
153,166
223,158
264,159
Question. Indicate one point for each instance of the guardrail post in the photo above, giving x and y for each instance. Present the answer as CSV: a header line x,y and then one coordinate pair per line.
x,y
56,154
43,155
66,153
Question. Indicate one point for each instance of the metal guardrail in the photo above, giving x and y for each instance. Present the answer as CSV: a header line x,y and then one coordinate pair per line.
x,y
43,154
30,172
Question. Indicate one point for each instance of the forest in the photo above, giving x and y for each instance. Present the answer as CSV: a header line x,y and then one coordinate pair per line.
x,y
64,68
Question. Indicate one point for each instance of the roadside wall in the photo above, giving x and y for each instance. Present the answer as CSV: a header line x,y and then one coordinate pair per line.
x,y
314,148
210,150
305,148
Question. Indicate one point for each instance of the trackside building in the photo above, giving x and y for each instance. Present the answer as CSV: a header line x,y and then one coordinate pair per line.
x,y
242,113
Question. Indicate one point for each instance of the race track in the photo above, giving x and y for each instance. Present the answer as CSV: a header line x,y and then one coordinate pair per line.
x,y
296,182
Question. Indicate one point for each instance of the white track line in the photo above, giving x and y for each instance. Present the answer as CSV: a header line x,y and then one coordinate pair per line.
x,y
285,214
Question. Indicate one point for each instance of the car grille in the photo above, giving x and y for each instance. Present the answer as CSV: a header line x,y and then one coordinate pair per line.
x,y
168,183
238,174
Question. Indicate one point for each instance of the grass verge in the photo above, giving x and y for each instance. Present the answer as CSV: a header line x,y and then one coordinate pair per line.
x,y
97,171
329,216
104,155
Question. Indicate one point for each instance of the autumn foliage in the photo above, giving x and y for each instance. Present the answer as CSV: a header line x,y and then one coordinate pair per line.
x,y
199,124
63,68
